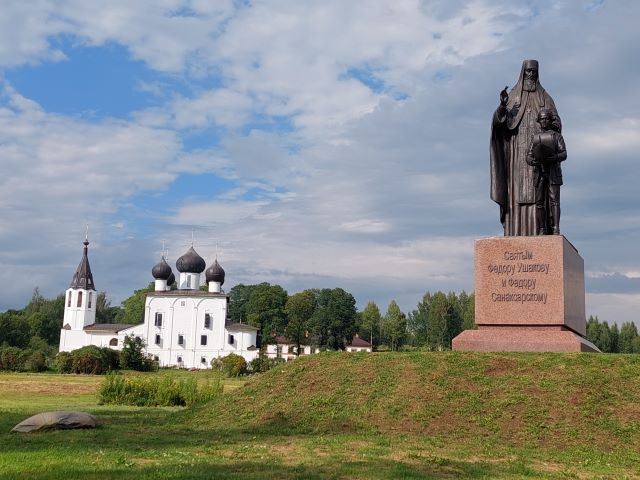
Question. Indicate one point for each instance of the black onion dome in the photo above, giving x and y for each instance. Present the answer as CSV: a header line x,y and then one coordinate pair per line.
x,y
191,262
162,271
215,273
171,279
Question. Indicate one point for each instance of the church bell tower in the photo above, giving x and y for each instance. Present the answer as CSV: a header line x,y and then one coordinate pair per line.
x,y
80,297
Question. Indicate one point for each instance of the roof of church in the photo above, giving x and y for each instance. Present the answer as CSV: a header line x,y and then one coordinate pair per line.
x,y
108,327
191,262
185,293
215,273
161,271
83,277
240,327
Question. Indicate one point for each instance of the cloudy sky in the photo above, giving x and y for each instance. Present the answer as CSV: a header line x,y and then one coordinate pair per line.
x,y
317,144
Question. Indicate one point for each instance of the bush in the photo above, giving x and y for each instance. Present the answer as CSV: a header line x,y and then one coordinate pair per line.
x,y
112,358
216,364
132,356
12,358
156,390
92,360
63,362
234,365
35,361
264,363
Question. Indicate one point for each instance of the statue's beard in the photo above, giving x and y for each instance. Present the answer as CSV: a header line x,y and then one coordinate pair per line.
x,y
529,85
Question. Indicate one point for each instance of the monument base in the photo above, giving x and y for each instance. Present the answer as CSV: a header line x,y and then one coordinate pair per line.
x,y
522,338
529,297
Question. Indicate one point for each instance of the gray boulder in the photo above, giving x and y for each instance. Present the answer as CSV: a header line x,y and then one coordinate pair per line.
x,y
56,420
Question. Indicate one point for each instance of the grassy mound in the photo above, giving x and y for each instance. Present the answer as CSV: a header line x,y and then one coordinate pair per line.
x,y
551,401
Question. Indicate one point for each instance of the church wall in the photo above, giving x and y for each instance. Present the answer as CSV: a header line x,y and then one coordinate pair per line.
x,y
185,317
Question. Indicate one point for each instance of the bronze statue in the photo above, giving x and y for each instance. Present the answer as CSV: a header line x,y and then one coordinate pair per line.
x,y
546,151
513,180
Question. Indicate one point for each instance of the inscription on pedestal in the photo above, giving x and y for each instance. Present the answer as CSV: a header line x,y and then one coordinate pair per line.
x,y
517,278
526,281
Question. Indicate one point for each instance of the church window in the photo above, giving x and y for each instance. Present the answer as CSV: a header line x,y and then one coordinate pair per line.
x,y
230,340
183,303
203,339
158,320
69,300
207,320
180,339
158,339
156,358
188,281
113,342
179,359
89,300
203,360
79,304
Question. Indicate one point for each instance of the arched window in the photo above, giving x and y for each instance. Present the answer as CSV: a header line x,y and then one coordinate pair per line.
x,y
69,300
89,300
113,342
79,299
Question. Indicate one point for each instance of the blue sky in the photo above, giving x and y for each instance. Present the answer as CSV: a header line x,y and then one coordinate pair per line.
x,y
316,144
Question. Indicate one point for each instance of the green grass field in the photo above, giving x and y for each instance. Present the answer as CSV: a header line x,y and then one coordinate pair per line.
x,y
351,416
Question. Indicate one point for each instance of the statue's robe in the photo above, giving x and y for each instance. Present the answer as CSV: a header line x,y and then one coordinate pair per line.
x,y
512,179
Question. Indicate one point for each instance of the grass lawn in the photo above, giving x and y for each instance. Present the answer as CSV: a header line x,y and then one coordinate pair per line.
x,y
427,415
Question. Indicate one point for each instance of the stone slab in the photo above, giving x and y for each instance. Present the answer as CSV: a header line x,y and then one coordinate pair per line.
x,y
532,281
522,339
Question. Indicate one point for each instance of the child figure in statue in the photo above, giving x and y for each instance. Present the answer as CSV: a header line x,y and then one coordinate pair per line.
x,y
545,153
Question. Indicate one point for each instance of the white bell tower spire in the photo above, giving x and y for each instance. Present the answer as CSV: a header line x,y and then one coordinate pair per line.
x,y
80,297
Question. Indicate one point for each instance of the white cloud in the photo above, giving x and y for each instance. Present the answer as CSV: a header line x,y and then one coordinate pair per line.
x,y
358,186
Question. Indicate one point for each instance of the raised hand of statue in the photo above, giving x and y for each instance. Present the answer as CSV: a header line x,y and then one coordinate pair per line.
x,y
504,97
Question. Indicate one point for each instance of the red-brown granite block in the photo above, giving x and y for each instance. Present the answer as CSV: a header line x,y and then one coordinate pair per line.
x,y
529,296
522,339
529,281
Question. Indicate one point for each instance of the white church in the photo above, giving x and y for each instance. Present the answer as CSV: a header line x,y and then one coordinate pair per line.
x,y
184,328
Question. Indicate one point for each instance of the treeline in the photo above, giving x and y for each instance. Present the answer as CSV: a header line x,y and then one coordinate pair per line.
x,y
29,337
612,339
328,319
325,318
435,321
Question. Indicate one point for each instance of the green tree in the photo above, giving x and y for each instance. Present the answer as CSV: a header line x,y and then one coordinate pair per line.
x,y
265,309
132,311
395,326
369,323
44,317
299,310
440,314
599,333
14,329
238,299
105,313
132,356
469,315
334,321
614,334
593,329
418,320
628,333
454,325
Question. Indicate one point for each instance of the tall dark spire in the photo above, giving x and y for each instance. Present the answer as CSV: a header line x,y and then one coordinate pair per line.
x,y
83,277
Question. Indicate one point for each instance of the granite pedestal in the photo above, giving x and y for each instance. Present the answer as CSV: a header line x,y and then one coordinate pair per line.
x,y
529,297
